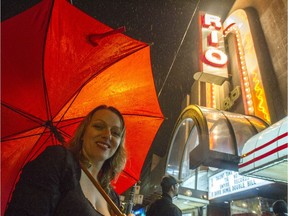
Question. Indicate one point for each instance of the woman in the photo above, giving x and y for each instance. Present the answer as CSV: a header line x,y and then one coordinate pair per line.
x,y
54,184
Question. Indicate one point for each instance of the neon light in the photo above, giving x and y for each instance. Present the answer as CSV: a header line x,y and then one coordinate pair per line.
x,y
254,97
261,97
215,57
245,85
211,21
213,39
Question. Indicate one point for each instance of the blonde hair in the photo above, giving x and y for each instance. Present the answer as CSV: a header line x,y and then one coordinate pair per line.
x,y
112,166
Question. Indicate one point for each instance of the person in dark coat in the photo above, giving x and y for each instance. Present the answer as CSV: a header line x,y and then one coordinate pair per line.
x,y
280,208
164,205
55,183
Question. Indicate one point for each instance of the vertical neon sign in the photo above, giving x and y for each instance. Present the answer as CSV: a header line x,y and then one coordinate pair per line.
x,y
212,50
213,42
213,60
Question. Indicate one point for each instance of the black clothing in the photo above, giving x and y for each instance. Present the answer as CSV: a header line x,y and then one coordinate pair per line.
x,y
50,186
280,208
163,206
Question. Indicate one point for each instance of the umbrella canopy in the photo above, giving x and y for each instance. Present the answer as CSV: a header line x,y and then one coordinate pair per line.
x,y
58,64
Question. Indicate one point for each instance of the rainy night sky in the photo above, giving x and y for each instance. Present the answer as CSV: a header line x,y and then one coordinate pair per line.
x,y
170,26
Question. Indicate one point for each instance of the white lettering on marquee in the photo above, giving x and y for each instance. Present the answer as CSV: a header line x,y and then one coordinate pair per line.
x,y
228,182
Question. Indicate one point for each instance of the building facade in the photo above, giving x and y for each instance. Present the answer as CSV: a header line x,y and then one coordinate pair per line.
x,y
239,91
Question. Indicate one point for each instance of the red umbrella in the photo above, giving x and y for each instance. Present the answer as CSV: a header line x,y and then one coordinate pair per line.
x,y
57,64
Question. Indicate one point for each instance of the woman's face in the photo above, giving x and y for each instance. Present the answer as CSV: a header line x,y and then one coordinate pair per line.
x,y
102,136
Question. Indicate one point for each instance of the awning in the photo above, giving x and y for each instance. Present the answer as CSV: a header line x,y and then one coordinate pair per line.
x,y
265,154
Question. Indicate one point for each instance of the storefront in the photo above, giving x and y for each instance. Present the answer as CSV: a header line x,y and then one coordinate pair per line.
x,y
209,144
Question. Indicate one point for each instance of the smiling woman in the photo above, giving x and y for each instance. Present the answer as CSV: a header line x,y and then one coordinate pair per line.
x,y
102,137
53,183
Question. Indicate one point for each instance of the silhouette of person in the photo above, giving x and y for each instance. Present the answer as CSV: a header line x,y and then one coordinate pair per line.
x,y
280,208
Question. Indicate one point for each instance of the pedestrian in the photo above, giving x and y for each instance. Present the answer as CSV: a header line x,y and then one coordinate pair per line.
x,y
280,208
164,205
57,183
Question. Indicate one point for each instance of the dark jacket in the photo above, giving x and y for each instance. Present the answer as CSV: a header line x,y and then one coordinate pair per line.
x,y
49,186
163,206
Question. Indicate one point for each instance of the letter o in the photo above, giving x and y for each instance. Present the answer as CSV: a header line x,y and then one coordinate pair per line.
x,y
215,57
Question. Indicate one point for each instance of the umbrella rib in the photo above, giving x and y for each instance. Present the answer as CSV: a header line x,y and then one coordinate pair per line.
x,y
143,115
39,147
63,133
21,137
23,113
75,96
78,121
48,109
47,103
128,174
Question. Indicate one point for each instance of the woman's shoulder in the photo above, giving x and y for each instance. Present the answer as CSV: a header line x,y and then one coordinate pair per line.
x,y
56,149
58,162
57,152
56,156
61,153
